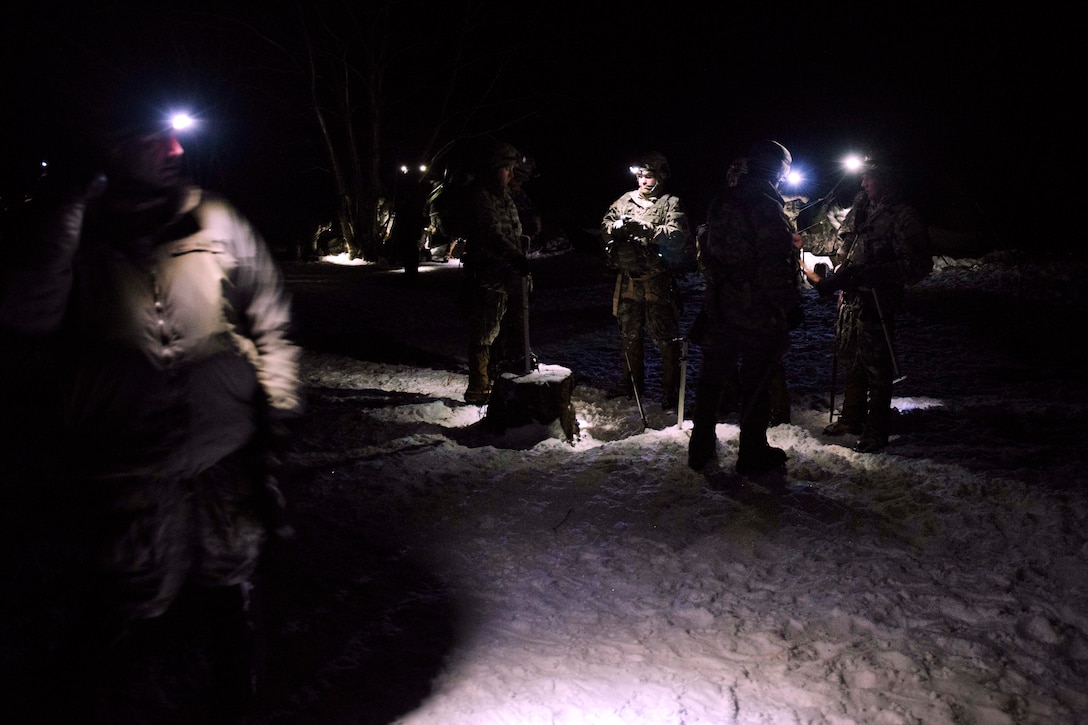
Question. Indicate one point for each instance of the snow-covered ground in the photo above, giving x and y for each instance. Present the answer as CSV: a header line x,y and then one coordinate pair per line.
x,y
600,580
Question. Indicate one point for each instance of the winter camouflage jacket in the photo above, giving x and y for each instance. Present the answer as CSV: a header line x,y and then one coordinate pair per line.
x,y
655,235
493,247
885,244
749,259
171,328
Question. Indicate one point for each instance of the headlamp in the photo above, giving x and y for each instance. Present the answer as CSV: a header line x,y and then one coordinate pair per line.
x,y
181,121
854,163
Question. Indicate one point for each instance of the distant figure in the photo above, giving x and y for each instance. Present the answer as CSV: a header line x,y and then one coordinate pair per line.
x,y
409,220
648,241
496,267
752,296
171,387
881,247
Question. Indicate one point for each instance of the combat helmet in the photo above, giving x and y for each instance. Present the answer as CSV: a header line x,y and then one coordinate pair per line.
x,y
499,155
769,160
654,163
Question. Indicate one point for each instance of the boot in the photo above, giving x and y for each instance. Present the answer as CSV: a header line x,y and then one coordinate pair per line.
x,y
755,454
232,623
479,384
670,376
703,446
874,437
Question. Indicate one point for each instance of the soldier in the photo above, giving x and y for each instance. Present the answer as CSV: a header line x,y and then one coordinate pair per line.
x,y
496,266
173,382
881,248
752,297
648,240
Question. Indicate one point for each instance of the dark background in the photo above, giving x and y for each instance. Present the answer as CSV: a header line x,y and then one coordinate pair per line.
x,y
972,99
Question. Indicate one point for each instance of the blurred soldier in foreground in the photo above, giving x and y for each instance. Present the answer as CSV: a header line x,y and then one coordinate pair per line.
x,y
648,240
880,249
752,299
174,382
496,266
779,389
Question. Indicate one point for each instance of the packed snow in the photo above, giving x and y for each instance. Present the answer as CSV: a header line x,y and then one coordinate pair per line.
x,y
600,580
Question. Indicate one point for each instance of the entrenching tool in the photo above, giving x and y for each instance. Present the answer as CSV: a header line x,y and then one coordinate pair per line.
x,y
888,338
683,381
634,389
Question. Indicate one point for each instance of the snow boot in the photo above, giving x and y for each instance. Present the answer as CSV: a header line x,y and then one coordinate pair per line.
x,y
229,615
874,437
759,460
755,454
702,448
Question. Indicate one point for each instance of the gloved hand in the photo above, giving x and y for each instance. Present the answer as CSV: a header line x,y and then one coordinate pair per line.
x,y
846,278
638,230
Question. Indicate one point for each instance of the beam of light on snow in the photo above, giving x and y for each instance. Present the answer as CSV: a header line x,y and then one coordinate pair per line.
x,y
905,404
345,259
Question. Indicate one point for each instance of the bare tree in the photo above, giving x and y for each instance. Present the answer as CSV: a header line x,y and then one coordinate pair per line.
x,y
406,78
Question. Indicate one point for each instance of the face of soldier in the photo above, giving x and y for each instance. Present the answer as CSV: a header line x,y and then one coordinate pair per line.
x,y
647,183
874,187
153,160
505,174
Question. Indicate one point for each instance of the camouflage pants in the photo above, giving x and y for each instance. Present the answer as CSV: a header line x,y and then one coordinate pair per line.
x,y
494,306
156,535
865,356
861,345
646,305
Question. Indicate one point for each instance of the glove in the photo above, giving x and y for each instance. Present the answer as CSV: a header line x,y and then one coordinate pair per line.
x,y
847,278
638,230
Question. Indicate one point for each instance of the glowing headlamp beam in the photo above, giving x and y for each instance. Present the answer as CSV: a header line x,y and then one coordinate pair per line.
x,y
181,121
853,163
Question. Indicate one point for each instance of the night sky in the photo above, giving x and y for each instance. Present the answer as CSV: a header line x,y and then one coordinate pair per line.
x,y
584,87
